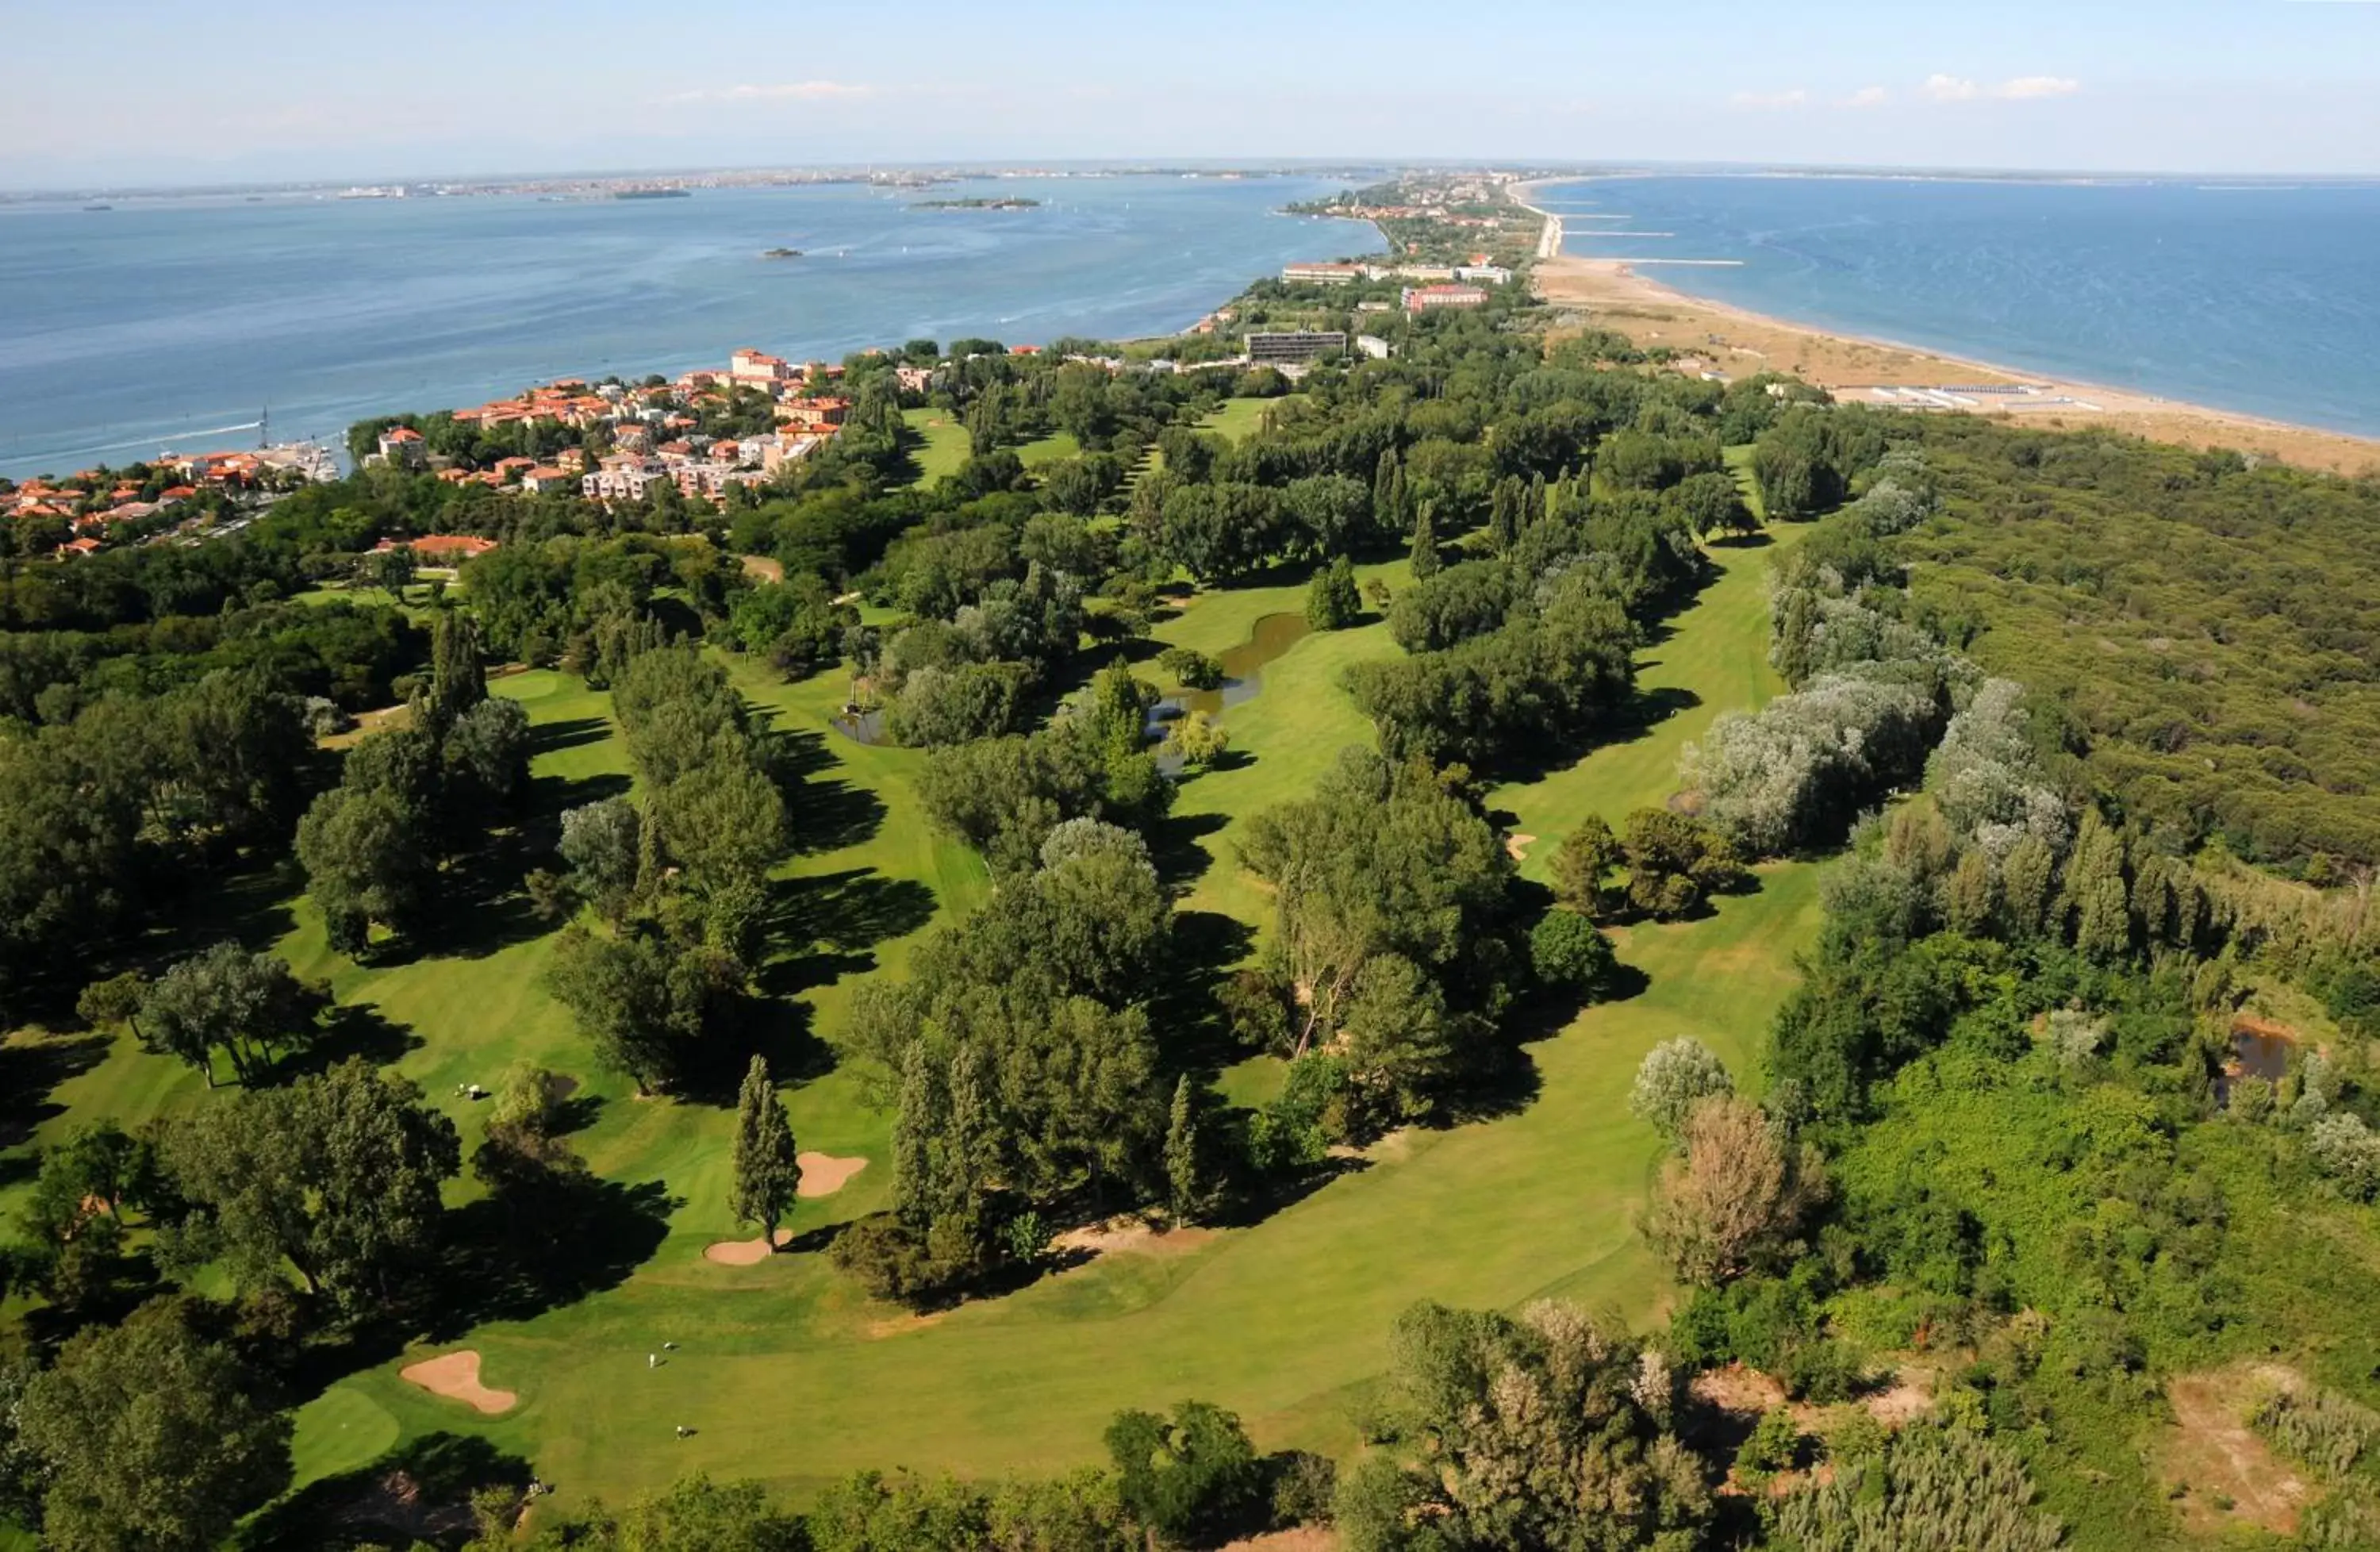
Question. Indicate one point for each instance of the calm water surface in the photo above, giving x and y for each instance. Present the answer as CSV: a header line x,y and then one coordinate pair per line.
x,y
2263,299
166,320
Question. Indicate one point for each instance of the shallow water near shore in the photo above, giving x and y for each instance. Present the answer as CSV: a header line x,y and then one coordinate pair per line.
x,y
2258,296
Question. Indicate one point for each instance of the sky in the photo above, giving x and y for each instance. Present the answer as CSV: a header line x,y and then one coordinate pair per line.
x,y
190,91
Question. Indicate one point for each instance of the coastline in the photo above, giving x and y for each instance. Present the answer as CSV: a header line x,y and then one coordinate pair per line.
x,y
1733,340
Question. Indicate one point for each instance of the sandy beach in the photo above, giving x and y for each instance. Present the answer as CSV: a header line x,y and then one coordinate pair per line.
x,y
1729,340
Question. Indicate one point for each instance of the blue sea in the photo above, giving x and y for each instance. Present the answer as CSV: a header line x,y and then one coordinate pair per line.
x,y
173,321
2262,298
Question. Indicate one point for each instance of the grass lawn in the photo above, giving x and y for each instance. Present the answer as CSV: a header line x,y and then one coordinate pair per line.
x,y
1235,418
1050,449
788,1373
945,446
1713,657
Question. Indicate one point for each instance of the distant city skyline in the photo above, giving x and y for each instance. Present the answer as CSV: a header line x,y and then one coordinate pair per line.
x,y
275,91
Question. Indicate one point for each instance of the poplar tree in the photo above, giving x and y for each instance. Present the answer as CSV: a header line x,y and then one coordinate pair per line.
x,y
458,679
1425,539
768,1165
2097,899
1183,1184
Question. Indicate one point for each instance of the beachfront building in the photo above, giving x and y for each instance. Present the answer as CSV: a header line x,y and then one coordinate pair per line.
x,y
1491,274
1322,274
1424,298
1295,347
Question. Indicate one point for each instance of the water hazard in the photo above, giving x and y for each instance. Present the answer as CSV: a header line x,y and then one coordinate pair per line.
x,y
1243,668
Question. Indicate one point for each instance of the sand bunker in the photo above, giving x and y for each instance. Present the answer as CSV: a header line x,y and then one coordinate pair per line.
x,y
457,1377
1519,847
745,1252
823,1174
1131,1235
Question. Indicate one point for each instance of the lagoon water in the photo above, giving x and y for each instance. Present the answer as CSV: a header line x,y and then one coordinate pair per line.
x,y
165,321
2262,298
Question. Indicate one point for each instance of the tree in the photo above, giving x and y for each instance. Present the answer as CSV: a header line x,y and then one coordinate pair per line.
x,y
767,1164
1186,1180
1583,864
645,1001
1733,1197
1424,550
338,1176
458,679
1197,740
152,1437
1192,1478
249,1006
1674,861
365,862
1674,1077
1548,1429
1569,954
1331,599
601,843
2097,901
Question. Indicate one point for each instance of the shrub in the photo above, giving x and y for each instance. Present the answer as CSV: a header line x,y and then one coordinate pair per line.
x,y
1569,954
1674,1076
2318,1427
1194,667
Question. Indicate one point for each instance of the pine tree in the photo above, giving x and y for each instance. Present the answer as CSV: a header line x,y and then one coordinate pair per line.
x,y
1583,864
1425,540
767,1163
1184,1186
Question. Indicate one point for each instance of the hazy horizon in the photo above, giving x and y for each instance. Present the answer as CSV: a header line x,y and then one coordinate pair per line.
x,y
291,92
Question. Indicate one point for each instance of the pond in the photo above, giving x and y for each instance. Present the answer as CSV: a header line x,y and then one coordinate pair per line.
x,y
1243,668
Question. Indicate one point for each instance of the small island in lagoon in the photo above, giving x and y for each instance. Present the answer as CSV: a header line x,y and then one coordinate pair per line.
x,y
980,202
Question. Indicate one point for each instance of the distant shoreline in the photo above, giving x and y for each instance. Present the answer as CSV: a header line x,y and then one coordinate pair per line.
x,y
1616,295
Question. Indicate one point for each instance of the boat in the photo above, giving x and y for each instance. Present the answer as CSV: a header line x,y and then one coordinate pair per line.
x,y
781,253
98,207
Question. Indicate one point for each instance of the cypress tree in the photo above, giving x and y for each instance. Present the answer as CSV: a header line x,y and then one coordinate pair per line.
x,y
1388,488
767,1163
1183,1184
1504,514
1425,540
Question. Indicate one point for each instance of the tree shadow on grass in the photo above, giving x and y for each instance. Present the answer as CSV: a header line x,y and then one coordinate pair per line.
x,y
33,1065
573,732
417,1494
350,1030
832,816
1174,845
1644,712
836,919
545,1239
